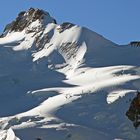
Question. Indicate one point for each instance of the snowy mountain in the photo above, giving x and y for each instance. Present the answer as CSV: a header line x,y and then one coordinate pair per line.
x,y
66,82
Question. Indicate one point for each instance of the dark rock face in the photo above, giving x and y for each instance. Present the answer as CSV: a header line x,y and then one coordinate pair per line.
x,y
40,42
24,19
64,26
133,112
135,43
69,49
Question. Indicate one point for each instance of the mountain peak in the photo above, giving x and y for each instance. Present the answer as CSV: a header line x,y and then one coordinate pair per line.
x,y
26,18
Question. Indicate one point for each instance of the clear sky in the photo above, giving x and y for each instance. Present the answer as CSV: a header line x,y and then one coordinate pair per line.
x,y
117,20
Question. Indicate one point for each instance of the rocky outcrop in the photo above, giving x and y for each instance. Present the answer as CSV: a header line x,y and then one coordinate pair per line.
x,y
133,112
69,49
40,42
24,19
64,26
135,43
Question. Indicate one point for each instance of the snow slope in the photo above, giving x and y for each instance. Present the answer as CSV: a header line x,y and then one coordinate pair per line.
x,y
63,82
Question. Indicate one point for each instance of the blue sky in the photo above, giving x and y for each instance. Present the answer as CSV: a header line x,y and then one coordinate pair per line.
x,y
117,20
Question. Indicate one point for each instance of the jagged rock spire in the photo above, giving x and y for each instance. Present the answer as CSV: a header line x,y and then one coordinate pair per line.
x,y
25,18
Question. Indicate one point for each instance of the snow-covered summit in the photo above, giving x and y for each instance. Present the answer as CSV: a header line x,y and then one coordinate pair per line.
x,y
38,33
26,18
66,82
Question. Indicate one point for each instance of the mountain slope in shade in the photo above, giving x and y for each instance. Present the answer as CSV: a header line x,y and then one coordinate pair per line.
x,y
63,81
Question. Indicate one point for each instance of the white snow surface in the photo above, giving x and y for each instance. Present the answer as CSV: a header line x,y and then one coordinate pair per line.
x,y
56,94
8,135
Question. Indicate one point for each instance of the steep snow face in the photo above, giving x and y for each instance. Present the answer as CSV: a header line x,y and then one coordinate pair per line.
x,y
65,82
